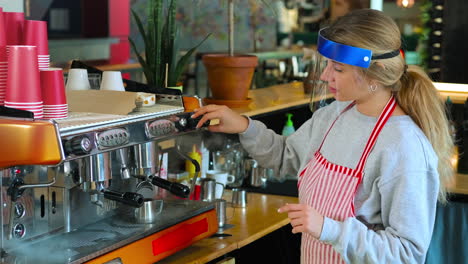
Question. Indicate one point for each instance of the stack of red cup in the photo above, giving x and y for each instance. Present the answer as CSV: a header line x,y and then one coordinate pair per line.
x,y
14,22
3,59
53,93
3,80
35,34
23,90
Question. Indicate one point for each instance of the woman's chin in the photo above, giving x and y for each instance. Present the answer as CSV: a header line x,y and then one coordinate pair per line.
x,y
339,98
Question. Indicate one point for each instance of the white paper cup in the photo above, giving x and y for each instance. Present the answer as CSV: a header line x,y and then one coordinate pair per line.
x,y
112,81
78,80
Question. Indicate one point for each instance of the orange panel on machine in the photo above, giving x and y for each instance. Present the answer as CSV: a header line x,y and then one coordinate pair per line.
x,y
190,103
162,244
29,142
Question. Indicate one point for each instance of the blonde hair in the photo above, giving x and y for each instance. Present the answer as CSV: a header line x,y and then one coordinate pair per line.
x,y
414,90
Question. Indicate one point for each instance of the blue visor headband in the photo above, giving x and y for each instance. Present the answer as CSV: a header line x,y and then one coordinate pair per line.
x,y
348,54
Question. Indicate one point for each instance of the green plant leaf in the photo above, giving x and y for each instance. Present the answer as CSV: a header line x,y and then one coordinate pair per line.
x,y
167,49
171,52
149,48
142,62
172,59
154,25
161,49
141,29
183,61
158,38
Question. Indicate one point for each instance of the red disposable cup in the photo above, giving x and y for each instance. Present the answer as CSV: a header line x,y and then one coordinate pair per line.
x,y
56,114
58,107
32,104
14,21
55,107
25,107
53,86
32,109
23,84
37,113
35,34
2,37
56,111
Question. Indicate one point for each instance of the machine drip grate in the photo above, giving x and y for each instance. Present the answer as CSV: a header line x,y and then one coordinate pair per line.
x,y
82,120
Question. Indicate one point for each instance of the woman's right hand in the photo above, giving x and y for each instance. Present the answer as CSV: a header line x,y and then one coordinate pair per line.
x,y
229,121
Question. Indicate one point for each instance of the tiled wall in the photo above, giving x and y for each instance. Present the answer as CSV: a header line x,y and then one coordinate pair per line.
x,y
197,18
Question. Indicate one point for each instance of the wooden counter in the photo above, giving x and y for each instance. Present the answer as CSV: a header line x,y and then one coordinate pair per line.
x,y
256,220
460,185
265,100
283,96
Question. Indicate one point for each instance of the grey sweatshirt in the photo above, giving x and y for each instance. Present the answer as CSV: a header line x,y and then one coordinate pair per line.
x,y
395,203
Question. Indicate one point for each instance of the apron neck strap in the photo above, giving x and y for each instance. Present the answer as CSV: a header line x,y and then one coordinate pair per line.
x,y
383,118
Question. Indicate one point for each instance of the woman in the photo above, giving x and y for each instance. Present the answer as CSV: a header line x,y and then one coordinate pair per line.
x,y
372,164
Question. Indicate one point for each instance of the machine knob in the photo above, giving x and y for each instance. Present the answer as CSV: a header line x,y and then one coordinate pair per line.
x,y
80,145
20,211
192,122
183,122
19,230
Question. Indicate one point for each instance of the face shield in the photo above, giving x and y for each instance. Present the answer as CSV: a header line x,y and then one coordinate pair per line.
x,y
321,73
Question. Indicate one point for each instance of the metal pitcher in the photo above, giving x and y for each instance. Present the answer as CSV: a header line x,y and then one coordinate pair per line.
x,y
257,175
208,189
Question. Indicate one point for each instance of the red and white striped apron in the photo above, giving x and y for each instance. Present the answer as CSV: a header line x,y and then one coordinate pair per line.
x,y
330,189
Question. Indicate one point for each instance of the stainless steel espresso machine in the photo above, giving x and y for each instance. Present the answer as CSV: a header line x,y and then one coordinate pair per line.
x,y
71,189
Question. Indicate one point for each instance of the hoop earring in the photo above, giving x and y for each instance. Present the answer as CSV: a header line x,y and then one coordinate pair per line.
x,y
372,88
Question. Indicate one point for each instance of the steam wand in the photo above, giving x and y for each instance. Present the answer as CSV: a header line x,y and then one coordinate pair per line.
x,y
174,187
15,190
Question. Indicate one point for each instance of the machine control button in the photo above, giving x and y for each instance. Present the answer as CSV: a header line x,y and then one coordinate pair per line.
x,y
19,231
112,138
19,210
79,145
160,127
183,121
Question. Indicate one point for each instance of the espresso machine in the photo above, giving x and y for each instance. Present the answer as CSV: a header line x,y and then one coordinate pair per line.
x,y
71,188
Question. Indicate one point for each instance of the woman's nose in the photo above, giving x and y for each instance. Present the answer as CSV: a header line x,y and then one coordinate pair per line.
x,y
326,74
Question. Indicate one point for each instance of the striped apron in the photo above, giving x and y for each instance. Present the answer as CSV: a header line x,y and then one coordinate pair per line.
x,y
330,189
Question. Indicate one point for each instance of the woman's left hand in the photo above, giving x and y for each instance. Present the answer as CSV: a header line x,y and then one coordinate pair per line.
x,y
304,219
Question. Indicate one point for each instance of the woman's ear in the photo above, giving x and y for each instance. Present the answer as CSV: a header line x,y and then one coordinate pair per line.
x,y
381,65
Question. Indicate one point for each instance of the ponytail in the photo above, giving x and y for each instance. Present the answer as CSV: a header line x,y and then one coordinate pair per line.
x,y
419,98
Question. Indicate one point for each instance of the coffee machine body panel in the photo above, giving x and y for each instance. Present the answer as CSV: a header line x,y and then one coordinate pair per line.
x,y
83,205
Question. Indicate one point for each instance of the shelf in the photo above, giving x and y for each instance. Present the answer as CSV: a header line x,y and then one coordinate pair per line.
x,y
458,92
62,50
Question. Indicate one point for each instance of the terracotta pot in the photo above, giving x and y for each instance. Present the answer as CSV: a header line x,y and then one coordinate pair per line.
x,y
230,77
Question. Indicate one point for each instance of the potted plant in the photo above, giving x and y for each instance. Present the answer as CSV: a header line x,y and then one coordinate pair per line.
x,y
230,75
159,61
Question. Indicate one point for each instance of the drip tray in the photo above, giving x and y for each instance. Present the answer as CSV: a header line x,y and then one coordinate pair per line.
x,y
96,239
